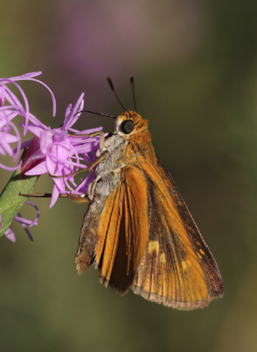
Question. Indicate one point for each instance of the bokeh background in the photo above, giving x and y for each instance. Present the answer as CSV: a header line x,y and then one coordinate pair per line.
x,y
195,69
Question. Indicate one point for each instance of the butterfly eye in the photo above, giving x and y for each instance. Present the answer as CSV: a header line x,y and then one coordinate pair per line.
x,y
127,126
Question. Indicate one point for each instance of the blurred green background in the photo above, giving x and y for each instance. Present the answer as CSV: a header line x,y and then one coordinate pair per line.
x,y
195,69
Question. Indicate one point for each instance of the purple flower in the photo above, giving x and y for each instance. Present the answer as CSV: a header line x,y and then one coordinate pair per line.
x,y
57,152
10,234
9,134
8,131
60,152
25,223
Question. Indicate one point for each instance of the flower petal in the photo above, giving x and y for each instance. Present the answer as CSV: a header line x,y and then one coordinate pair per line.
x,y
10,235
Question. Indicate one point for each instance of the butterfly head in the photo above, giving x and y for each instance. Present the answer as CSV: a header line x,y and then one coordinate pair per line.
x,y
130,122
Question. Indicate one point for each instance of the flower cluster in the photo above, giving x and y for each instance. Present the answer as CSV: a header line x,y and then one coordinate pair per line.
x,y
59,152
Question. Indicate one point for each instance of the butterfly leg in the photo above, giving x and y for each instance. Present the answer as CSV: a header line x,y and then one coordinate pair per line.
x,y
94,134
82,198
102,139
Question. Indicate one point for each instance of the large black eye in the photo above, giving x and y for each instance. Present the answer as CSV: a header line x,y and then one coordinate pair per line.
x,y
127,127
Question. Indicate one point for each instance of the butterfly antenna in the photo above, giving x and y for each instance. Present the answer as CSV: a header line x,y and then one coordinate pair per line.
x,y
114,92
132,83
96,113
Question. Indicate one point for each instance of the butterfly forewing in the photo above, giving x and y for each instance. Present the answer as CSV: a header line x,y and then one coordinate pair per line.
x,y
123,231
208,262
171,271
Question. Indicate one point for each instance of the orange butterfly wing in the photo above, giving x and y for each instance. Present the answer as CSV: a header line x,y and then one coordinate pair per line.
x,y
123,231
177,268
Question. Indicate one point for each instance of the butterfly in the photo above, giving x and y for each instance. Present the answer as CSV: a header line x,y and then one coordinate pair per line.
x,y
137,229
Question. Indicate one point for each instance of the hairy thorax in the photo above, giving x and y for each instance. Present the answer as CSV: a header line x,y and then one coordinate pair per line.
x,y
108,170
